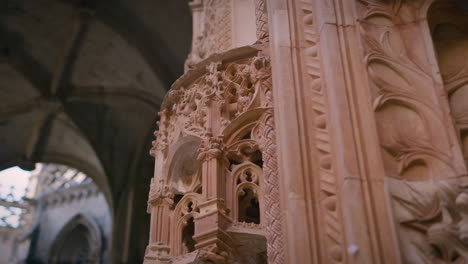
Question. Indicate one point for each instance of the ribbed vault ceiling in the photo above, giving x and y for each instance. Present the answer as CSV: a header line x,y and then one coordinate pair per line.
x,y
81,83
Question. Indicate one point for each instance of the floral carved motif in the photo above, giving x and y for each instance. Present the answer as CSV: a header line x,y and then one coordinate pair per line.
x,y
185,110
159,190
261,20
211,147
400,87
439,214
428,202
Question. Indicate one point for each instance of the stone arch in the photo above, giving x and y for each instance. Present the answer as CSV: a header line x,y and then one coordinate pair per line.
x,y
448,24
246,186
79,240
183,171
245,182
185,212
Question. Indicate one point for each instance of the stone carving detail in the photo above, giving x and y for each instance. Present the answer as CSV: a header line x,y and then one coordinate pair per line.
x,y
272,198
330,201
211,148
429,202
225,104
212,32
185,109
159,190
447,22
438,212
261,20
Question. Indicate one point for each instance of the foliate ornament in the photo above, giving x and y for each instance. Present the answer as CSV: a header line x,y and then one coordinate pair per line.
x,y
218,103
244,150
409,125
213,89
439,213
159,191
211,147
262,74
161,142
429,204
261,16
237,86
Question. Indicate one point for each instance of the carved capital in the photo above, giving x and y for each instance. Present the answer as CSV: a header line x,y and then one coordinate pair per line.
x,y
260,69
211,147
160,192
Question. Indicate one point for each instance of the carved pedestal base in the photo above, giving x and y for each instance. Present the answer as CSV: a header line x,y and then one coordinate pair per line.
x,y
157,254
211,228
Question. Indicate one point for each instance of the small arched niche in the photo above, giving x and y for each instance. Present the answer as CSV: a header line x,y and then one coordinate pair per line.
x,y
249,207
184,170
188,231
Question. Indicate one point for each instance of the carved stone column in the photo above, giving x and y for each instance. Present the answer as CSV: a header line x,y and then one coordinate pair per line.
x,y
367,148
332,188
159,203
212,222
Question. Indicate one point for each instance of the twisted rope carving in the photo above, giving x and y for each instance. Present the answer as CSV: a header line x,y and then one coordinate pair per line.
x,y
267,138
261,20
272,202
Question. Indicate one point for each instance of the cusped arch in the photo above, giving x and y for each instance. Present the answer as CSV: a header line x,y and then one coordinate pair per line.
x,y
186,209
247,177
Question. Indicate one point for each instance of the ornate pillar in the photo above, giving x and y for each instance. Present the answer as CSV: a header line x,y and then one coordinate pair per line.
x,y
367,150
213,221
332,187
159,203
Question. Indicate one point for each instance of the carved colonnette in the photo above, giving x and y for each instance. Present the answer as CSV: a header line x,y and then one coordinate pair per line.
x,y
214,195
423,164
